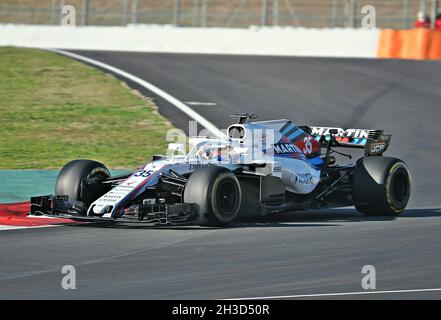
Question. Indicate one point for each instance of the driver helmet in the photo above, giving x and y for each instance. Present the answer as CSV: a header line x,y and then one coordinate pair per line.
x,y
219,153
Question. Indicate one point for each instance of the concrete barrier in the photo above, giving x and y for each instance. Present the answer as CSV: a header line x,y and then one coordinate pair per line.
x,y
280,41
256,41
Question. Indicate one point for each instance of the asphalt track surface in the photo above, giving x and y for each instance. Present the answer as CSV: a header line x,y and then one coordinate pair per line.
x,y
303,253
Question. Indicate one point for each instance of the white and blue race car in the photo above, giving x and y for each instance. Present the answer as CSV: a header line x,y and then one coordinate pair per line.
x,y
258,168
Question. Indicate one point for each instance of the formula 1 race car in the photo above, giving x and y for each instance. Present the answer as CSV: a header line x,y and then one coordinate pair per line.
x,y
258,168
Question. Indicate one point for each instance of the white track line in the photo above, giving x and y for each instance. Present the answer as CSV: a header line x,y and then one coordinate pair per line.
x,y
198,103
337,294
166,96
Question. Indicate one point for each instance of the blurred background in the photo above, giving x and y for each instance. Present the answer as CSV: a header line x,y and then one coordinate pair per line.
x,y
397,14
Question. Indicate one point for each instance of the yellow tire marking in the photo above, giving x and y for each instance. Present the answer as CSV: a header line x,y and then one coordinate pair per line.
x,y
392,170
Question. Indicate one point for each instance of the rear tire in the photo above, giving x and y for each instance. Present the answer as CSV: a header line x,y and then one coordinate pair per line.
x,y
216,191
381,186
81,181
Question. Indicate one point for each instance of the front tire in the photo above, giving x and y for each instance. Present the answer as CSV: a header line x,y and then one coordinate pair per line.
x,y
81,181
216,191
381,186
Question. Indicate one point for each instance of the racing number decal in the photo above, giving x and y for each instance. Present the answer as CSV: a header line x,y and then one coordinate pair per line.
x,y
307,145
143,173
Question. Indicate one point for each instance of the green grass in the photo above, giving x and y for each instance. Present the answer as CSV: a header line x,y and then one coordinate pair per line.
x,y
54,109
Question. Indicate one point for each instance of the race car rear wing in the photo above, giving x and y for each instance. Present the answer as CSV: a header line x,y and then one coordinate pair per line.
x,y
375,142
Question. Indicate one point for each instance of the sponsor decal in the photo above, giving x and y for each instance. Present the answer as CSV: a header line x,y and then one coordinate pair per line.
x,y
194,166
283,148
304,178
377,148
348,133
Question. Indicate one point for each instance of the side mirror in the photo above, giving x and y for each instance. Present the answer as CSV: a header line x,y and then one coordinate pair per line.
x,y
323,140
331,160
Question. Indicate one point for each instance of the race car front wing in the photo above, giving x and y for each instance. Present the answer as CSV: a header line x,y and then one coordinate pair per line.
x,y
153,214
